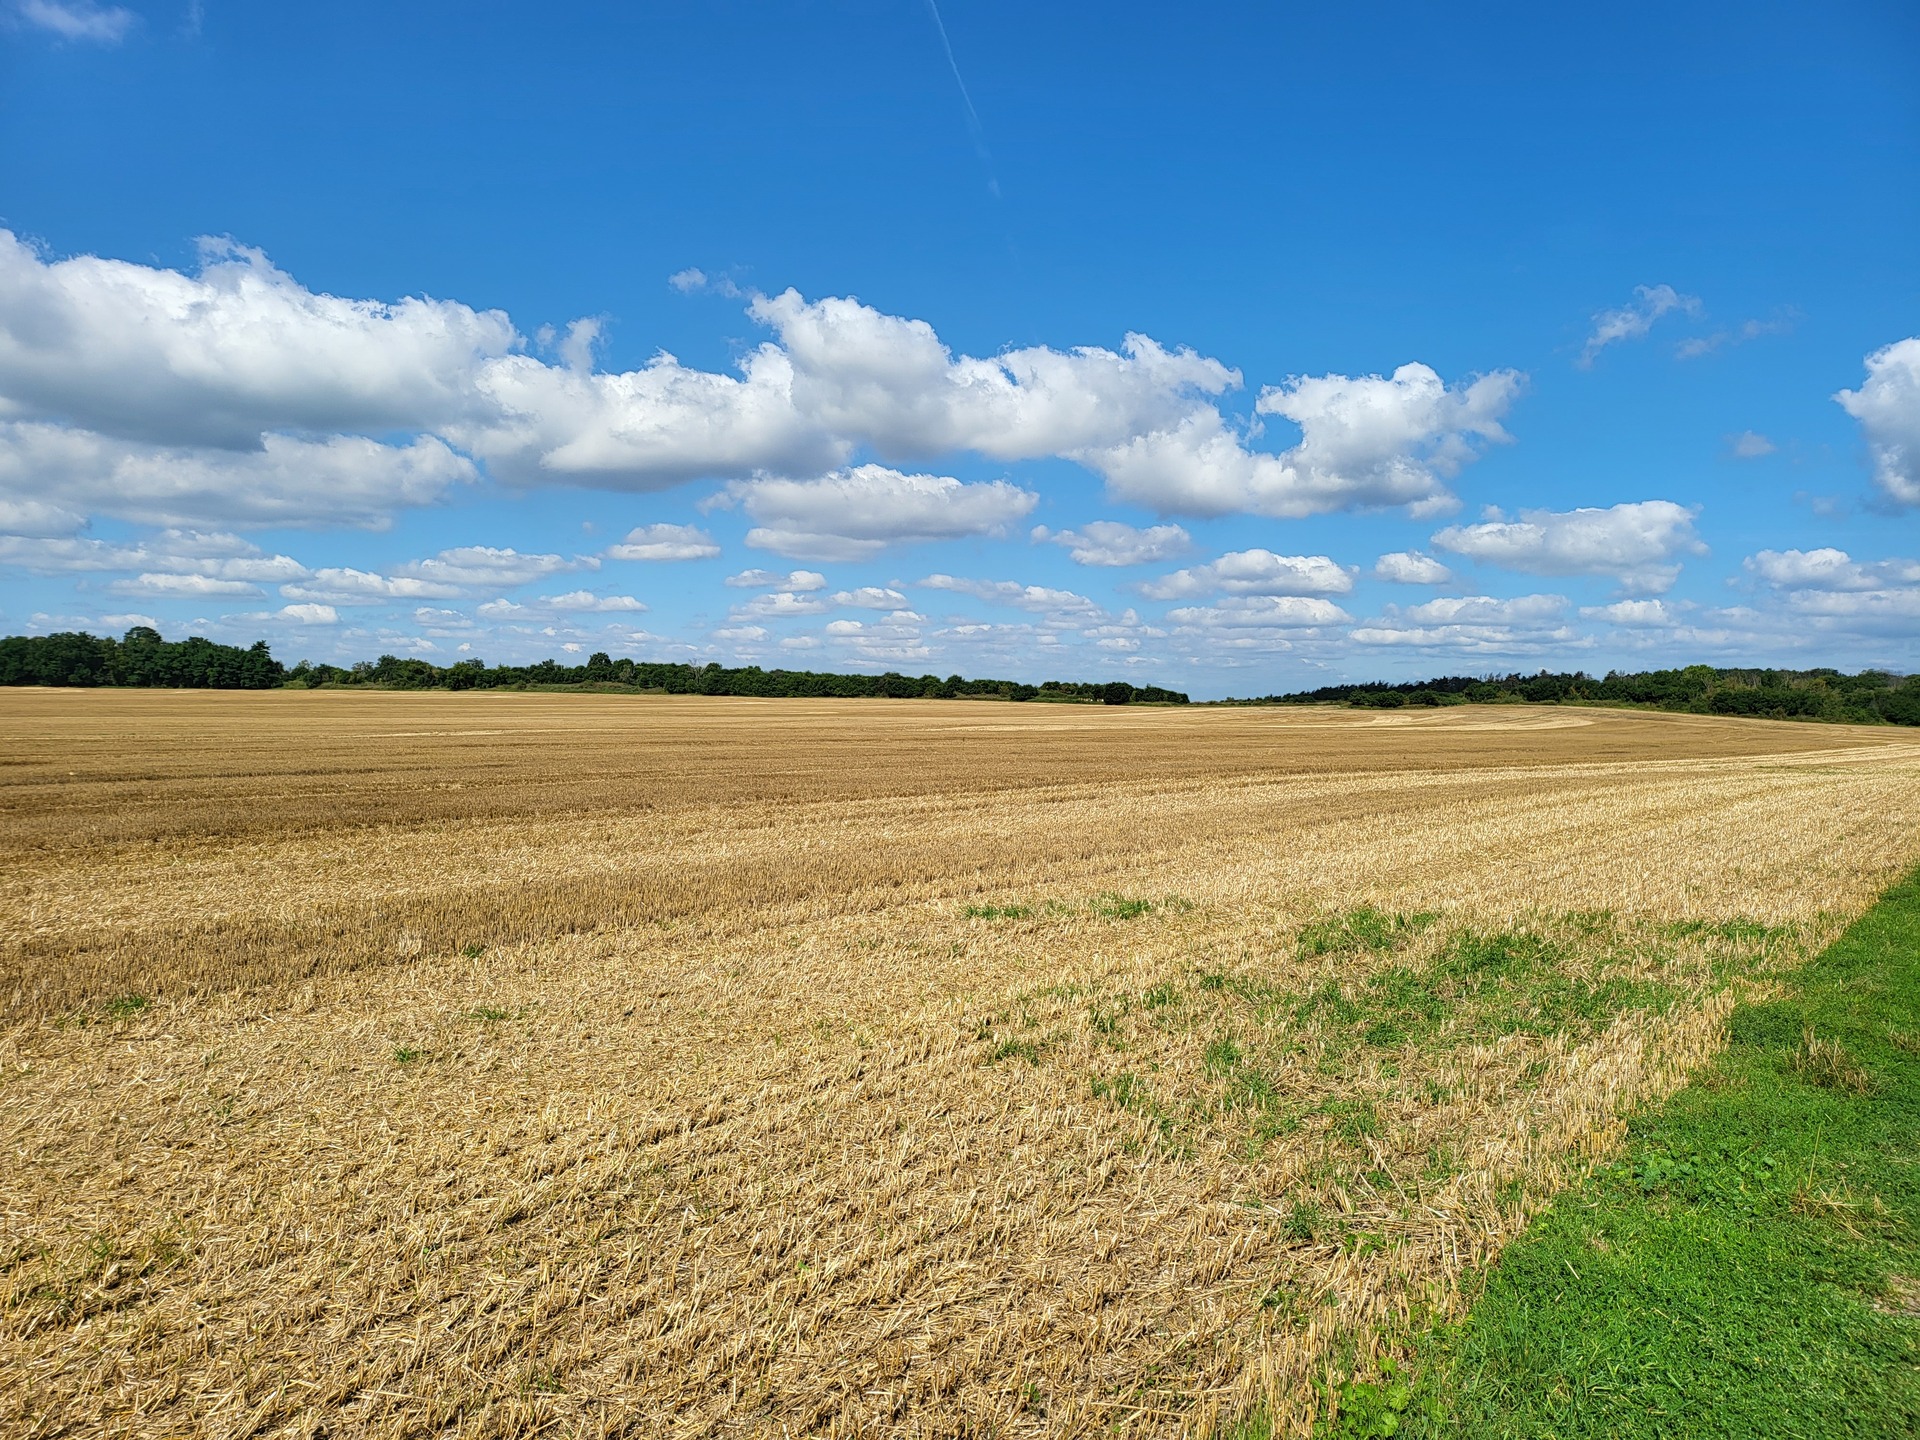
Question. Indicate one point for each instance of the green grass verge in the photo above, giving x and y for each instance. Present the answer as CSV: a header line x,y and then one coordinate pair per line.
x,y
1751,1267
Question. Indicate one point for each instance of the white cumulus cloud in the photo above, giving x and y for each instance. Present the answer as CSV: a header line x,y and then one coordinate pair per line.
x,y
218,358
871,597
1410,567
1888,409
1473,625
1040,599
1108,542
855,513
342,480
1285,612
665,542
796,580
779,604
169,371
1829,569
1254,572
190,587
1633,612
1633,543
179,552
1365,441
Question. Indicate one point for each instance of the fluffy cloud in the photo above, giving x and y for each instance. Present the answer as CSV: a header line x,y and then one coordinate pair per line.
x,y
890,381
781,604
1637,613
1750,445
1633,543
309,614
574,602
871,597
1254,572
239,360
1829,569
797,580
1041,599
38,519
1473,624
643,429
186,587
892,640
486,567
1893,610
665,542
1367,441
1831,591
79,19
344,480
175,552
1283,612
1108,542
1888,409
1410,567
852,514
1633,320
219,358
344,585
446,576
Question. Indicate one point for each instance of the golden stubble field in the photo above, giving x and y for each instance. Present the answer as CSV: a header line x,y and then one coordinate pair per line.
x,y
572,1065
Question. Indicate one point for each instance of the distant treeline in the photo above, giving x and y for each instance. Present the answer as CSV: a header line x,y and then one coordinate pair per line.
x,y
143,658
1871,697
392,672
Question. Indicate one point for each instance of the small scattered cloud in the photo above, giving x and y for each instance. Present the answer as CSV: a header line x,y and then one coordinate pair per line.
x,y
1411,567
78,19
1110,543
1750,445
1698,345
1633,320
665,543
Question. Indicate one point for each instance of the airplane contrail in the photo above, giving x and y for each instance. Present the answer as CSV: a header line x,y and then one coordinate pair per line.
x,y
973,116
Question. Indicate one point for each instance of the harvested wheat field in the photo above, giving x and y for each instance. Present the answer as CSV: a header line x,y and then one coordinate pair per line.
x,y
382,1064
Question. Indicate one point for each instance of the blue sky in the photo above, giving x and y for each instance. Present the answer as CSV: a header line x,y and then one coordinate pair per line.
x,y
1237,348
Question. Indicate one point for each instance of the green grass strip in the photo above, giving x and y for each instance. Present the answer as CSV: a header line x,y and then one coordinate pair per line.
x,y
1751,1267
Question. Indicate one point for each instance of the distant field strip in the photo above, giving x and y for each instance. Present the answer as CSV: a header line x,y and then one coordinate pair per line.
x,y
396,1064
